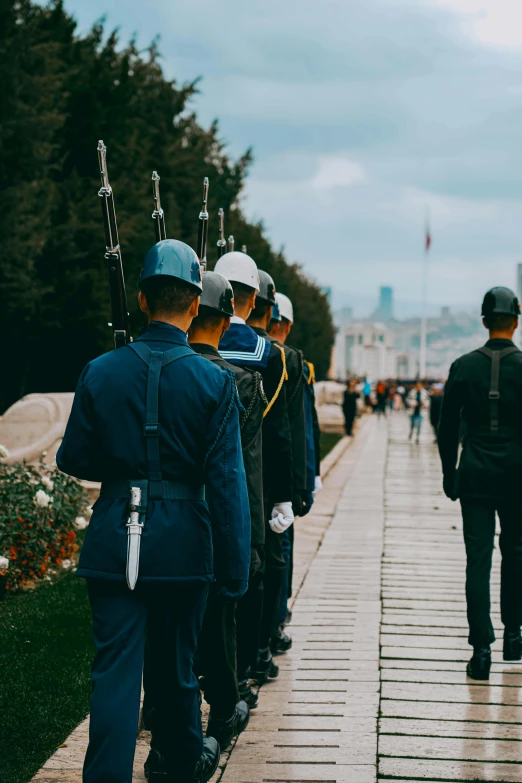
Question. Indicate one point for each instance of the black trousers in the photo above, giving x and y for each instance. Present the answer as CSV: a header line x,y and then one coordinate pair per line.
x,y
349,418
172,614
479,536
274,584
249,614
217,655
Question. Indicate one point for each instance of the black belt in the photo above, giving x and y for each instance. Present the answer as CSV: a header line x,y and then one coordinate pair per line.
x,y
502,433
170,490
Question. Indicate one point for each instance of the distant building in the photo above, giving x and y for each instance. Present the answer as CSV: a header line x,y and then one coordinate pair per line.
x,y
445,313
385,310
344,316
365,349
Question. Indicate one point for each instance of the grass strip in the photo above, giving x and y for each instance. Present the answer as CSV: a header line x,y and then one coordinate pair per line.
x,y
45,655
328,441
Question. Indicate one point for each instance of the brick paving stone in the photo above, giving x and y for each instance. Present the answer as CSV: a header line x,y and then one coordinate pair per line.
x,y
336,649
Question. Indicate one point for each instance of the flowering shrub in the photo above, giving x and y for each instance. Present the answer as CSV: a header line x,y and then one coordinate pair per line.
x,y
38,510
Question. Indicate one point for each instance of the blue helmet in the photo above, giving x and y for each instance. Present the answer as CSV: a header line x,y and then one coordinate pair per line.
x,y
172,258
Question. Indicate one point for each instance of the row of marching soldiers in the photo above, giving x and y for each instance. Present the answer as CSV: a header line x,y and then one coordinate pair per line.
x,y
204,436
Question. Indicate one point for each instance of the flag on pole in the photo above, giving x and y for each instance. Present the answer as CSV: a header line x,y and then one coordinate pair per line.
x,y
428,239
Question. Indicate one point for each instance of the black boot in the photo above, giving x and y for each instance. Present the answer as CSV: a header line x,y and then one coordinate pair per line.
x,y
512,645
280,643
156,768
225,729
480,664
265,666
208,762
246,693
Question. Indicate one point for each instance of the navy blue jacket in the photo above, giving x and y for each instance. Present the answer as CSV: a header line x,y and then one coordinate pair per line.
x,y
200,444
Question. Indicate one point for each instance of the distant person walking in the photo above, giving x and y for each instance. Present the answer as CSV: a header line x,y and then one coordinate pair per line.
x,y
367,393
350,406
400,396
381,392
437,391
418,400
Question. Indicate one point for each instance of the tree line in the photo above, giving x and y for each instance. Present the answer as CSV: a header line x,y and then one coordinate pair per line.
x,y
61,92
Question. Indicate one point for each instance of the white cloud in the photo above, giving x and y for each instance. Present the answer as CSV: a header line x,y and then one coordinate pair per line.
x,y
335,172
496,22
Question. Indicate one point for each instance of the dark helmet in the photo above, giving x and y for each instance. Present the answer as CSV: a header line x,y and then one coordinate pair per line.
x,y
276,315
172,258
217,293
267,289
500,301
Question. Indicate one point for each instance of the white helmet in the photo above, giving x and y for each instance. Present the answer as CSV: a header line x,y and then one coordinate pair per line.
x,y
285,307
238,268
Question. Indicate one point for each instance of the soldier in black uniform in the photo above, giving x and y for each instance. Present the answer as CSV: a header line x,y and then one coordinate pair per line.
x,y
244,346
279,328
483,396
260,319
217,653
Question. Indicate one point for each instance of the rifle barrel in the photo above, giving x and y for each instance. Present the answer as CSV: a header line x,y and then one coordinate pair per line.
x,y
119,311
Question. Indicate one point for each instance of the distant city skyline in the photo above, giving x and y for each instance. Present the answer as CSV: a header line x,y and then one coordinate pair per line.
x,y
361,115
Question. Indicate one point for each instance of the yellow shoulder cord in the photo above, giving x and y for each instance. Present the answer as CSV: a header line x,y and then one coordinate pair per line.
x,y
311,377
284,377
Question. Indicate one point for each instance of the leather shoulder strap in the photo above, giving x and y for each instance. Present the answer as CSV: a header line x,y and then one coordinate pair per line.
x,y
494,390
155,360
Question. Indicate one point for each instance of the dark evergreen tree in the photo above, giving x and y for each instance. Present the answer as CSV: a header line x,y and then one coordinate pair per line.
x,y
61,93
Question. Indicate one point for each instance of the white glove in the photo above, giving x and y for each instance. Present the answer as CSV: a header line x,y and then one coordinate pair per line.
x,y
282,517
318,486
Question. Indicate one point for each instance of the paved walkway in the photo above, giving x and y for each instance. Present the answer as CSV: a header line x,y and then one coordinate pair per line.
x,y
374,686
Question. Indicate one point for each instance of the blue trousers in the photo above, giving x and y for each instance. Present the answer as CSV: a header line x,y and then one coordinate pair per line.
x,y
172,614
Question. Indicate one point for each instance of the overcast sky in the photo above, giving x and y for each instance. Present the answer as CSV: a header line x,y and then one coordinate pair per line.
x,y
362,114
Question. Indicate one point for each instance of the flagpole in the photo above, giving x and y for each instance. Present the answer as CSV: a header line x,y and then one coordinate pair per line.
x,y
424,318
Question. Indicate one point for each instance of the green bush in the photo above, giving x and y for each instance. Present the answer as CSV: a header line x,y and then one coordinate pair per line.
x,y
38,511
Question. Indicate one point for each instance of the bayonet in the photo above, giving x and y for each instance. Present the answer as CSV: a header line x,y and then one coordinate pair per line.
x,y
231,243
222,242
158,215
203,228
135,527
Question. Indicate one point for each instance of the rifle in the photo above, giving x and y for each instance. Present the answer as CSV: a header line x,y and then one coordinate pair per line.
x,y
231,243
120,314
158,215
203,229
222,242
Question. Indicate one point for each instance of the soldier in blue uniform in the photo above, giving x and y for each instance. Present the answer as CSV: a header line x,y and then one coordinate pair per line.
x,y
156,417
